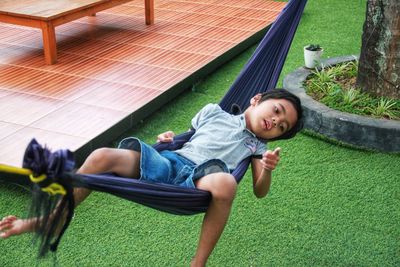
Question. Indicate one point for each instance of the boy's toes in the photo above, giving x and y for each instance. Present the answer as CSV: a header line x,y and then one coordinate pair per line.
x,y
9,217
6,223
7,220
4,226
6,234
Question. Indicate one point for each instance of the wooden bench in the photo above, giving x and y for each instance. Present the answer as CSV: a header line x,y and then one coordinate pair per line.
x,y
47,14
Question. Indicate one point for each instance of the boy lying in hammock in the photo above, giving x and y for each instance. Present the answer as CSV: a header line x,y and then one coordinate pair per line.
x,y
220,143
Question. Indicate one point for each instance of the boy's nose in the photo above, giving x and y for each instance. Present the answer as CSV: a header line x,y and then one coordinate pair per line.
x,y
274,122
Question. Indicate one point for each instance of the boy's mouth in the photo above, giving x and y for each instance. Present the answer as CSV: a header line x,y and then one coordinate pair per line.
x,y
266,124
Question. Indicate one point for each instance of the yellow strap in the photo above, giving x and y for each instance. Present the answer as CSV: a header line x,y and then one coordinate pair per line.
x,y
52,189
38,179
55,189
16,170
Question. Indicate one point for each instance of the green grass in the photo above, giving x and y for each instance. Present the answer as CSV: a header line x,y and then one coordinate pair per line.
x,y
329,205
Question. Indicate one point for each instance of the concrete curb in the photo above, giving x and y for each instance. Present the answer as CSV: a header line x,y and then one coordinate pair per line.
x,y
364,132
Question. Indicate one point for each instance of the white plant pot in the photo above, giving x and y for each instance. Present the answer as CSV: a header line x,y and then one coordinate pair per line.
x,y
312,58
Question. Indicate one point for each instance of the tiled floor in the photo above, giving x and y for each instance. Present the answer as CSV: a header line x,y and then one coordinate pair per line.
x,y
110,67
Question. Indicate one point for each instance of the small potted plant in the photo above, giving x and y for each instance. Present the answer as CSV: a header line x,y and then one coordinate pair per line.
x,y
312,55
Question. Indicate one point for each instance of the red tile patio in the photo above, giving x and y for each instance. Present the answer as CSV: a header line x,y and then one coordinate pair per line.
x,y
113,70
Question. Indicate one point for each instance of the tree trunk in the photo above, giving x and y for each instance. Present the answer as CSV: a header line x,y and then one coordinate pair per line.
x,y
379,65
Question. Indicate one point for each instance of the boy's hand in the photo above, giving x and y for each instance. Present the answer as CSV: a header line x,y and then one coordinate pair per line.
x,y
166,137
270,159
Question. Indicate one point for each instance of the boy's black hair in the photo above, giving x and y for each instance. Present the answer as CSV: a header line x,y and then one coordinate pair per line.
x,y
280,93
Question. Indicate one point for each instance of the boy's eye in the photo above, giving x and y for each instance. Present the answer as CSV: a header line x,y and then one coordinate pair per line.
x,y
276,109
282,128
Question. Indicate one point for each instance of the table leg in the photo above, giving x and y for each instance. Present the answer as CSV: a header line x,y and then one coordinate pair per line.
x,y
149,11
49,42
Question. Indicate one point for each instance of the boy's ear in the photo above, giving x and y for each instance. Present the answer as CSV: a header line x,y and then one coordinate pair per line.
x,y
254,100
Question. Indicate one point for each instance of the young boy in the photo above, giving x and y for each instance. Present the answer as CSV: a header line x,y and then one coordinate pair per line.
x,y
220,143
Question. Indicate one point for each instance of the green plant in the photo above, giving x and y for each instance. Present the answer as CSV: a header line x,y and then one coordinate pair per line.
x,y
313,47
322,83
339,70
351,97
334,86
385,108
324,75
352,68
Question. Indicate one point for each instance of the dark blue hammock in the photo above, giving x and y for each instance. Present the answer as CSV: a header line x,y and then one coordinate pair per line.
x,y
260,74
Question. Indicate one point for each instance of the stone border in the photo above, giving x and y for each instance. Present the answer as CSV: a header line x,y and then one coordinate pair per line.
x,y
360,131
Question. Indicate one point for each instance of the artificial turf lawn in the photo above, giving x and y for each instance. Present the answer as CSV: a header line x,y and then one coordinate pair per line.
x,y
329,205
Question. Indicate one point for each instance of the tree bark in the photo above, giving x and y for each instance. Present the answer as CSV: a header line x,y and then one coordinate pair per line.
x,y
379,65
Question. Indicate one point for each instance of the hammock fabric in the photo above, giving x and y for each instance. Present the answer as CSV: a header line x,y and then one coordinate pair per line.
x,y
259,75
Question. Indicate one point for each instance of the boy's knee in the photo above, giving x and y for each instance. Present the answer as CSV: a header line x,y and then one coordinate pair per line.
x,y
100,157
224,188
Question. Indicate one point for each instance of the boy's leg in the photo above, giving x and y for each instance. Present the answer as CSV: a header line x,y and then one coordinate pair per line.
x,y
223,189
120,161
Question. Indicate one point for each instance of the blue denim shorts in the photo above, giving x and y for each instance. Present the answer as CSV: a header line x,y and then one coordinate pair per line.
x,y
169,167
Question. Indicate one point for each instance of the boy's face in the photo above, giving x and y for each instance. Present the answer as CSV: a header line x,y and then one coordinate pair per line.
x,y
270,118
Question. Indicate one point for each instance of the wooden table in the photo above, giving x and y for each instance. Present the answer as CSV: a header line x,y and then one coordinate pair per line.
x,y
47,14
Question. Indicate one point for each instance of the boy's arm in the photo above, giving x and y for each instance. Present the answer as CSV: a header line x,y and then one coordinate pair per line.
x,y
262,172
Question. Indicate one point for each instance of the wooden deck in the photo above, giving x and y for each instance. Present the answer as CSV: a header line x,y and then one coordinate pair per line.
x,y
46,15
113,70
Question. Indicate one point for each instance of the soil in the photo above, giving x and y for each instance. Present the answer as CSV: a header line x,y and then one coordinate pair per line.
x,y
347,83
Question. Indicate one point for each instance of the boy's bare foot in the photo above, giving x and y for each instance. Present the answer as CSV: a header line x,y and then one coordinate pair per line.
x,y
11,225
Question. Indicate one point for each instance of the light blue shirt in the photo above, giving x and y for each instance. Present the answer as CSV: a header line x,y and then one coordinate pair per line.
x,y
220,135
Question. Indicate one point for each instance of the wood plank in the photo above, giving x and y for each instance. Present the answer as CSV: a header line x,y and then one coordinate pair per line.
x,y
23,21
149,11
49,42
65,17
47,9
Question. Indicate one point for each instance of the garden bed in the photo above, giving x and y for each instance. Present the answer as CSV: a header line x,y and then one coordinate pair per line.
x,y
352,129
